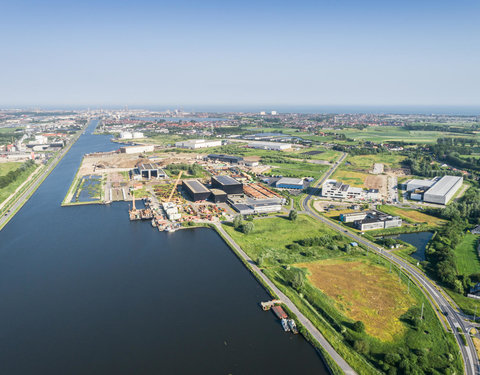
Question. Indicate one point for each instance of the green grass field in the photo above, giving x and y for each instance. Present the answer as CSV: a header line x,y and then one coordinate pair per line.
x,y
392,133
342,287
8,166
412,216
466,255
365,162
10,188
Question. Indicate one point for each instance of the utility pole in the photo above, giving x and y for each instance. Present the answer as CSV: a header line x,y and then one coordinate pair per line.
x,y
408,292
475,314
421,316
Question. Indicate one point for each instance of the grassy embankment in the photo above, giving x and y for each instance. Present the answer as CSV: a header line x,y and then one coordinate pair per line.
x,y
19,178
363,289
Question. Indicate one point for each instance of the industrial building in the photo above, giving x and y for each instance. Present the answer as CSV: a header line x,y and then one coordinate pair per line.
x,y
228,184
196,190
377,220
339,190
270,146
437,190
131,135
137,149
442,191
225,158
218,196
249,206
290,183
148,171
198,143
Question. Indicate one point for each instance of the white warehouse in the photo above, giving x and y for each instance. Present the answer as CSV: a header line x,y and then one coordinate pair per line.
x,y
443,190
198,143
276,146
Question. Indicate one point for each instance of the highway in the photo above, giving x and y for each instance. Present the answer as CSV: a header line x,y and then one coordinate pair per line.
x,y
4,219
432,291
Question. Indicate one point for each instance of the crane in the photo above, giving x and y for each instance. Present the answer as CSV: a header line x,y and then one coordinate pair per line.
x,y
174,186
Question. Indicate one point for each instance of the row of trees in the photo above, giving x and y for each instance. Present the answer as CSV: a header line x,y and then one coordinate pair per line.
x,y
12,176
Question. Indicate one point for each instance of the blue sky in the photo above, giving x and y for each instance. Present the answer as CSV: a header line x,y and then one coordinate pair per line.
x,y
273,53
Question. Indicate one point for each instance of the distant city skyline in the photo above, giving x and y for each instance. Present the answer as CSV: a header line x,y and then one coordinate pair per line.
x,y
245,54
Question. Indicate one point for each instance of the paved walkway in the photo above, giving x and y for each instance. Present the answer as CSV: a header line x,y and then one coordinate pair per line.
x,y
302,319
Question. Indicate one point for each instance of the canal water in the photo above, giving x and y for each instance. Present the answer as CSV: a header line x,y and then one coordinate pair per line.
x,y
85,291
418,240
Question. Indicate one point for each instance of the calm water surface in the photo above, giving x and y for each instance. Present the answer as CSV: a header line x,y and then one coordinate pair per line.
x,y
419,240
84,291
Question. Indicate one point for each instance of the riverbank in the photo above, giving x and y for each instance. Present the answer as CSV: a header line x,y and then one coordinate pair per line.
x,y
24,194
336,364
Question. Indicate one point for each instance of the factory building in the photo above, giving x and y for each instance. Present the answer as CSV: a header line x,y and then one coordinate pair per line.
x,y
437,190
249,206
148,171
270,146
137,149
442,191
290,183
228,184
218,196
194,144
225,158
196,190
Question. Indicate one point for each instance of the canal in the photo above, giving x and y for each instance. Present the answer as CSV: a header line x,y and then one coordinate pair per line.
x,y
85,291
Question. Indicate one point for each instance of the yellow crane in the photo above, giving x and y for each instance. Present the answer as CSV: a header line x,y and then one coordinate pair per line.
x,y
174,186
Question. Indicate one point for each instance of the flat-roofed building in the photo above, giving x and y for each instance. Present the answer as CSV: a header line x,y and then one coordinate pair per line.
x,y
225,158
228,184
198,143
290,183
372,222
353,216
414,184
196,190
218,196
137,149
149,171
443,190
277,146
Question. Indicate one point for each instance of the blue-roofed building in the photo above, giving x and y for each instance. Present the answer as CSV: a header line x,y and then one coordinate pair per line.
x,y
290,183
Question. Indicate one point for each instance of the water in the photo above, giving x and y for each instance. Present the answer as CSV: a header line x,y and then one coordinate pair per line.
x,y
419,240
85,291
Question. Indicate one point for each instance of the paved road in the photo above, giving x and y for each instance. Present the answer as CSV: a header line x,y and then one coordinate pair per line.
x,y
433,292
39,179
308,325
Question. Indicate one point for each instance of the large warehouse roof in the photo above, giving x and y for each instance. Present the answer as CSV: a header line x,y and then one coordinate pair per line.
x,y
226,180
290,181
444,185
196,186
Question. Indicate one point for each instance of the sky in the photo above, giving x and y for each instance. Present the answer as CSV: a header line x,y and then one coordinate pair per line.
x,y
207,53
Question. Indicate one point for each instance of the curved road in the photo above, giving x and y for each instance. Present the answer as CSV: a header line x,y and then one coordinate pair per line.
x,y
440,304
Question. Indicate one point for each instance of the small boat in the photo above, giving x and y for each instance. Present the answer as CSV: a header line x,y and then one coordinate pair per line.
x,y
292,326
285,326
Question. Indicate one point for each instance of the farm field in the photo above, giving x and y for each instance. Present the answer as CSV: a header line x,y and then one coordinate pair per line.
x,y
364,292
352,178
412,216
365,162
466,255
392,133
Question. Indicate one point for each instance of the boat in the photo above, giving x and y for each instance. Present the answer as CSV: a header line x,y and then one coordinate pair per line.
x,y
292,326
285,326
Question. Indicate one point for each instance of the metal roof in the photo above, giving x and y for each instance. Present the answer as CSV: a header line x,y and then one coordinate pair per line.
x,y
444,185
290,181
226,180
196,186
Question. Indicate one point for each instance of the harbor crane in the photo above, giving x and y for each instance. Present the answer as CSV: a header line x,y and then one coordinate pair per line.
x,y
174,186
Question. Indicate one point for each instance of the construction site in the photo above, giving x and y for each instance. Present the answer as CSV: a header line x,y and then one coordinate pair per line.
x,y
176,189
